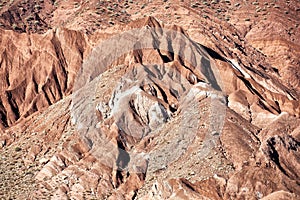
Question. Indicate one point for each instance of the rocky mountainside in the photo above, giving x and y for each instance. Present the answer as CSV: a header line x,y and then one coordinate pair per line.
x,y
150,99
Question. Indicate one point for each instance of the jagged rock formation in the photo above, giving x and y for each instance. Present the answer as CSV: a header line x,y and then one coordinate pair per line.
x,y
150,110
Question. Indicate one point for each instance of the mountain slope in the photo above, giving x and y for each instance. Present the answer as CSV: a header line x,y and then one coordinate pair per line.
x,y
150,109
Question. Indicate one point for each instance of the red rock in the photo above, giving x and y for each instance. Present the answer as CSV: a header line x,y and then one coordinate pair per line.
x,y
217,118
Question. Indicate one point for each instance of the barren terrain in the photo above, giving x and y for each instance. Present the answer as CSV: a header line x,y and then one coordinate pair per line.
x,y
160,99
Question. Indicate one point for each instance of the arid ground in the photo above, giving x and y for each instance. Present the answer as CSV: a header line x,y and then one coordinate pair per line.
x,y
150,99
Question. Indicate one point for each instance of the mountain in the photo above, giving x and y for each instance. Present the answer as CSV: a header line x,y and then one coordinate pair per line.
x,y
149,99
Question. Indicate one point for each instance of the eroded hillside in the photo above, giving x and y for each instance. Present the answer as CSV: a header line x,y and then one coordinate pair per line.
x,y
199,102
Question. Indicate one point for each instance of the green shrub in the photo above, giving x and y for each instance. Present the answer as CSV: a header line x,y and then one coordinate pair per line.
x,y
18,148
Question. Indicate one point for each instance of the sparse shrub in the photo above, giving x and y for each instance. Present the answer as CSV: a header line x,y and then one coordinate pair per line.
x,y
28,173
29,18
15,26
18,148
38,6
22,9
